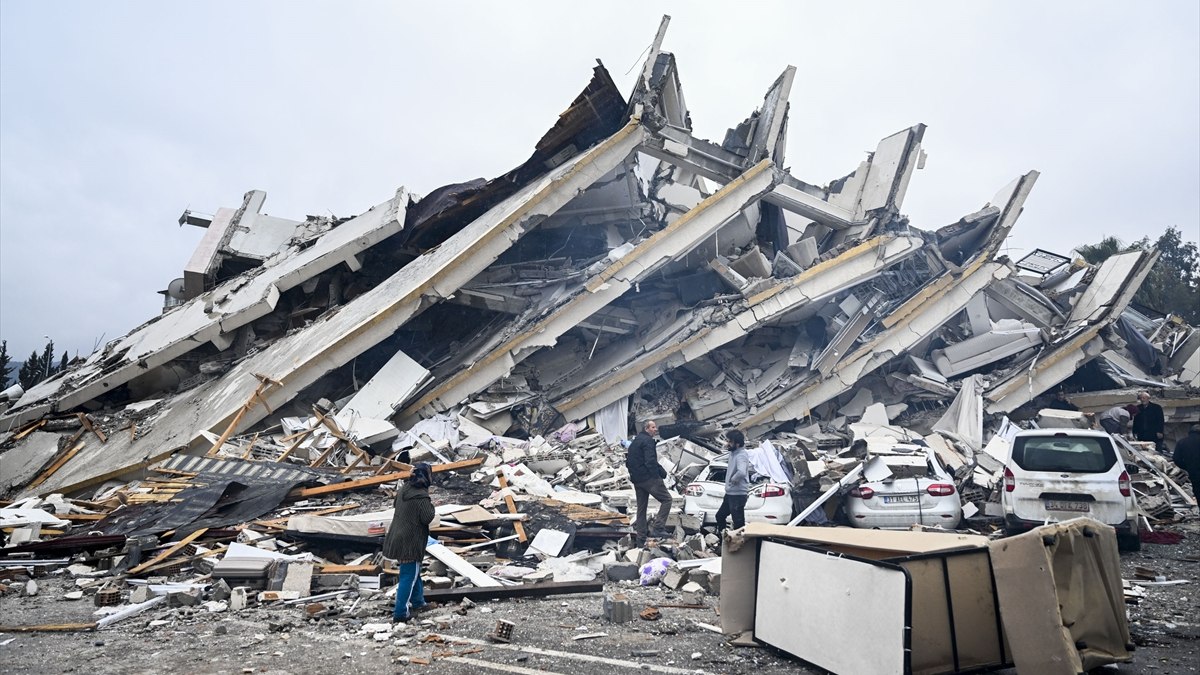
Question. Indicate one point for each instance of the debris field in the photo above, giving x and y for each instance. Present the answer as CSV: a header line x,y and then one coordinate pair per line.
x,y
226,470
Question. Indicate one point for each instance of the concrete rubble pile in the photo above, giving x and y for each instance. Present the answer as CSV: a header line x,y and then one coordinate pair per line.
x,y
242,447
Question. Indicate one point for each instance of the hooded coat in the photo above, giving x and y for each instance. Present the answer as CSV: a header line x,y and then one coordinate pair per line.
x,y
406,538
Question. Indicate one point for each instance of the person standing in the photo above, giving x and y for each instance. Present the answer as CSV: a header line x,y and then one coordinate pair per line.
x,y
1149,422
1115,420
406,539
647,476
737,482
1187,456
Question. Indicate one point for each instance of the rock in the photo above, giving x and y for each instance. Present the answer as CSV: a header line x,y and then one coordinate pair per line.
x,y
140,594
214,606
73,595
182,599
31,587
220,591
221,629
692,593
675,577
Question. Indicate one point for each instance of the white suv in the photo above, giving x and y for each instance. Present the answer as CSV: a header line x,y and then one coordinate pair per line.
x,y
1059,474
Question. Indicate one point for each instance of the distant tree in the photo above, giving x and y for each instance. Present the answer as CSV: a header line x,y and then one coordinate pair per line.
x,y
1173,285
5,359
1097,253
32,371
62,365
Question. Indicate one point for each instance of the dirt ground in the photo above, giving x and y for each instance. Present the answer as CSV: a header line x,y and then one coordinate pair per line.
x,y
552,634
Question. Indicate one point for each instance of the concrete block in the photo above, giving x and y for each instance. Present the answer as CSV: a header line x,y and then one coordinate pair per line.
x,y
617,608
334,581
621,571
140,594
675,577
182,599
692,594
220,591
237,598
298,579
699,577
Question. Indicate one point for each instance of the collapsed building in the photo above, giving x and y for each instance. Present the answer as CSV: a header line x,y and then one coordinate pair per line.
x,y
520,328
627,267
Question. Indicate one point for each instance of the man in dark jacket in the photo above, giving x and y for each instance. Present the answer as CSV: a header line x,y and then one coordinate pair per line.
x,y
1149,422
406,539
647,477
1187,456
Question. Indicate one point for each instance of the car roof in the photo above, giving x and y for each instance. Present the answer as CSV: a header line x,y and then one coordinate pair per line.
x,y
1082,433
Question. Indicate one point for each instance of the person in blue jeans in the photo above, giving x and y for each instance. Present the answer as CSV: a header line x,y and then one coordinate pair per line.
x,y
406,539
737,482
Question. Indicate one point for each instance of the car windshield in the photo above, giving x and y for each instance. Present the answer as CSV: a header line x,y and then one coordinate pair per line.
x,y
1075,454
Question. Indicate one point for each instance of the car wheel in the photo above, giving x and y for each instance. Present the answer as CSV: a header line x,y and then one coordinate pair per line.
x,y
1129,541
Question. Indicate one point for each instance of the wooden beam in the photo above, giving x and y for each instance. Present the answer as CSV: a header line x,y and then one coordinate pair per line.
x,y
206,554
279,522
169,552
58,463
29,430
379,480
255,398
250,448
512,508
87,424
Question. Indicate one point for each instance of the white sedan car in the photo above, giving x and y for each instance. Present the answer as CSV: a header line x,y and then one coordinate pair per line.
x,y
768,502
919,491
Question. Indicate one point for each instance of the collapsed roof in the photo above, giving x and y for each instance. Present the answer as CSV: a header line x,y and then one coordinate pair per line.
x,y
627,266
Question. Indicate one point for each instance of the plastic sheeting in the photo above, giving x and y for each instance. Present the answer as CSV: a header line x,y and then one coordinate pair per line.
x,y
766,461
612,421
963,420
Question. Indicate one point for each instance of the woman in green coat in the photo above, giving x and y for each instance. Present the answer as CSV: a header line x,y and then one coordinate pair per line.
x,y
406,539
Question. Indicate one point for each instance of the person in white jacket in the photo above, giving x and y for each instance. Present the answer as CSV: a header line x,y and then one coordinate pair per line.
x,y
737,482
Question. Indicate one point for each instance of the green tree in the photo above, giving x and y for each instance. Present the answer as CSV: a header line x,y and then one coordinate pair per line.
x,y
1173,285
38,367
5,359
32,371
1097,253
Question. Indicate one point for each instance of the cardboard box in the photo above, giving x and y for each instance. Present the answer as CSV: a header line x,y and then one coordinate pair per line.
x,y
851,600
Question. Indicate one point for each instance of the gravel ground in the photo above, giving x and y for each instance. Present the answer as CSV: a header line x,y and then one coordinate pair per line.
x,y
1165,625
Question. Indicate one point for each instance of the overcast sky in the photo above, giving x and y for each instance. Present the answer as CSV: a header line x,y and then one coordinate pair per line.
x,y
117,116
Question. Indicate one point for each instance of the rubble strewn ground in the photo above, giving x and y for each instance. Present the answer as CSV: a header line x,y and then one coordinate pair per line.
x,y
228,467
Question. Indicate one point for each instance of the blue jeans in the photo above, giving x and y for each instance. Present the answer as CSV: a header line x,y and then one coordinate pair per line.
x,y
409,590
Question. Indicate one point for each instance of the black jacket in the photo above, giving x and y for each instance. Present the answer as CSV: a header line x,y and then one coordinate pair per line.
x,y
642,460
406,538
1148,423
1187,454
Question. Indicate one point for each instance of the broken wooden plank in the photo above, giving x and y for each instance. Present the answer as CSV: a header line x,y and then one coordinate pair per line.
x,y
255,399
87,424
518,591
379,480
169,552
58,464
29,429
282,522
512,508
171,563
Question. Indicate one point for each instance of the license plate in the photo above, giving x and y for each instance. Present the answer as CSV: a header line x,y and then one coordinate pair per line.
x,y
1059,505
903,499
